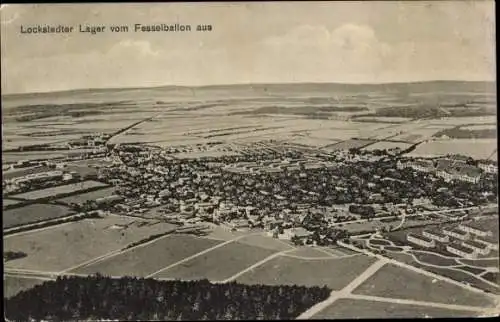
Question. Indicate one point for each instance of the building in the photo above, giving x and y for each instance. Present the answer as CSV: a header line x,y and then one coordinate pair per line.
x,y
490,242
238,224
457,170
422,165
40,177
478,247
421,240
475,229
488,167
109,200
461,251
432,234
456,233
295,232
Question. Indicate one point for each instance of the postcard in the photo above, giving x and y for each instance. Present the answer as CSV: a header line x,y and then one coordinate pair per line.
x,y
249,160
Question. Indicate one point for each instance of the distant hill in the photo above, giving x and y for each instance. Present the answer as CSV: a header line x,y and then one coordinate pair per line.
x,y
277,88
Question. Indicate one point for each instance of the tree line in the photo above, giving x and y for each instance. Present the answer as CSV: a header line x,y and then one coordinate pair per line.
x,y
129,298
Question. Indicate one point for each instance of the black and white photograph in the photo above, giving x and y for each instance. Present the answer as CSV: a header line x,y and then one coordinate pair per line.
x,y
252,160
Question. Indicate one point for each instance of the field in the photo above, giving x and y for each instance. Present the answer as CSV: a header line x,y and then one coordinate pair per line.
x,y
390,279
9,202
14,157
363,309
144,260
336,273
82,170
309,252
33,213
481,262
387,145
476,148
59,190
15,173
479,127
218,264
13,285
346,145
61,247
266,242
87,196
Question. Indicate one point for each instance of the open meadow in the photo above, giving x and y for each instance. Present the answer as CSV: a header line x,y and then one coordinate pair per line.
x,y
335,273
396,282
33,213
59,190
147,259
61,247
218,264
88,196
14,284
366,309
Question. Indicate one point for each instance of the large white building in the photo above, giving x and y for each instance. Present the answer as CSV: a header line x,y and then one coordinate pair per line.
x,y
421,240
461,251
475,229
457,233
479,248
436,235
488,167
490,242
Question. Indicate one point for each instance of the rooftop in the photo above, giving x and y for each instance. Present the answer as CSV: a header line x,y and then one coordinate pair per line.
x,y
476,225
461,248
420,237
435,233
475,244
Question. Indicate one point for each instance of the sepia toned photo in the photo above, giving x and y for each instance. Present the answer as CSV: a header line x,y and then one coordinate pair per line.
x,y
249,161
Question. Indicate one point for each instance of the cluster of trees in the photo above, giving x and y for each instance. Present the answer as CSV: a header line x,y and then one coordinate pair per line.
x,y
10,255
128,299
363,210
149,238
459,132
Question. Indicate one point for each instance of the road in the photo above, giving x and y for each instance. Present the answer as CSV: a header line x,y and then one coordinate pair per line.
x,y
423,213
419,270
346,291
199,254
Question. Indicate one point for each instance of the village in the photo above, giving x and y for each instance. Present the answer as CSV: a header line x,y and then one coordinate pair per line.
x,y
289,191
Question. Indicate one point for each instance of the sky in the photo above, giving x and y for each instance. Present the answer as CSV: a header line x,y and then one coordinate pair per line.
x,y
266,42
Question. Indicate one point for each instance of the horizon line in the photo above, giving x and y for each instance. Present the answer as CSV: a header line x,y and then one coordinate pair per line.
x,y
242,84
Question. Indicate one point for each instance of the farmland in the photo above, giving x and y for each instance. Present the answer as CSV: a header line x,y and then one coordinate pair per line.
x,y
13,284
350,144
144,260
336,273
365,309
266,242
87,196
9,202
59,190
11,174
64,246
388,280
387,145
218,264
14,157
476,148
33,213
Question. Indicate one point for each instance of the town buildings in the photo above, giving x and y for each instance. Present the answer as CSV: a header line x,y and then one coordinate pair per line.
x,y
461,251
456,233
440,237
421,240
475,229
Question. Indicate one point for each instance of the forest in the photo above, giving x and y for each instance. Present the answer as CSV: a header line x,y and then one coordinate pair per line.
x,y
99,297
